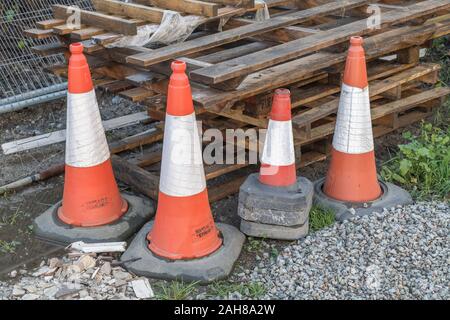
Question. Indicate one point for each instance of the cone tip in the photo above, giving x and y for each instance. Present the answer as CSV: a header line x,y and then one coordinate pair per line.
x,y
356,41
76,48
178,66
283,93
281,108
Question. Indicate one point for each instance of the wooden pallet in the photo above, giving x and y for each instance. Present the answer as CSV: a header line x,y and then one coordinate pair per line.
x,y
233,73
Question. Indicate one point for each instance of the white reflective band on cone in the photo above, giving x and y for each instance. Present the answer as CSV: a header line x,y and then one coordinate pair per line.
x,y
279,145
353,133
86,144
182,172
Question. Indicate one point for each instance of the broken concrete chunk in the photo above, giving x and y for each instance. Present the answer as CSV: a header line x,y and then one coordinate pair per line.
x,y
98,247
86,262
106,268
142,289
55,263
30,296
18,292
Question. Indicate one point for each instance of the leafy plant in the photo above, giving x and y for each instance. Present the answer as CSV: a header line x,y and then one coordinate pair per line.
x,y
176,290
423,164
320,218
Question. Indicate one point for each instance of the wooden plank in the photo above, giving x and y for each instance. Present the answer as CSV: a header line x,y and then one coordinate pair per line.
x,y
231,53
376,88
137,94
409,102
279,35
139,179
38,33
296,70
86,33
49,24
198,8
131,10
234,3
100,20
65,29
60,136
215,40
244,65
49,49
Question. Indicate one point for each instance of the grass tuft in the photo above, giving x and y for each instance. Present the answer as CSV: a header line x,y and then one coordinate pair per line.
x,y
320,218
8,246
176,290
253,290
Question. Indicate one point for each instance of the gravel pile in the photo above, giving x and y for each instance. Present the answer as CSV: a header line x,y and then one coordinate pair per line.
x,y
86,277
401,253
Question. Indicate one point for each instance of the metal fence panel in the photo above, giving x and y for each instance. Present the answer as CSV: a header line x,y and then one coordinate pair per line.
x,y
21,71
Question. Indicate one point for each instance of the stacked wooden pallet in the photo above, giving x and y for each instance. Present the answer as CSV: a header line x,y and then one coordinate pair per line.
x,y
234,72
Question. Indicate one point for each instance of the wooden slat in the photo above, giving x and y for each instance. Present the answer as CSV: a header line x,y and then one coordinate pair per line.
x,y
99,20
49,24
86,33
38,33
215,40
136,94
189,6
131,10
296,70
49,49
234,3
376,88
410,102
244,65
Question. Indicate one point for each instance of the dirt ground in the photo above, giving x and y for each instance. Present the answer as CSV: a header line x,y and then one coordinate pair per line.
x,y
17,210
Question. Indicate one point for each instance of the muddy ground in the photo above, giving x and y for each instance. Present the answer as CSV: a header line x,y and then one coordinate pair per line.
x,y
17,210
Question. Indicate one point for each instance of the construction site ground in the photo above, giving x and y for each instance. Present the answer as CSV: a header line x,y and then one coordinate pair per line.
x,y
20,250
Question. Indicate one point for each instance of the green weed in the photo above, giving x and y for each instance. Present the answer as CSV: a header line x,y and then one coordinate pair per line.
x,y
320,218
176,290
423,164
222,289
8,246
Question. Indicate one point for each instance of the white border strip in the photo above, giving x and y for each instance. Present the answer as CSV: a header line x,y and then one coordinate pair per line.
x,y
182,172
279,144
86,144
353,133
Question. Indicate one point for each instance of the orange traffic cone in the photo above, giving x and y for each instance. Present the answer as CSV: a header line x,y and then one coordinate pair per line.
x,y
183,241
278,158
276,203
191,234
352,175
91,195
351,185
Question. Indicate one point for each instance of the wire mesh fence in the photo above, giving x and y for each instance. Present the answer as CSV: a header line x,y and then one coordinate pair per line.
x,y
21,70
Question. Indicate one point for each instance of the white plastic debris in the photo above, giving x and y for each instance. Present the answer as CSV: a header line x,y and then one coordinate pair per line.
x,y
262,14
142,289
173,28
98,247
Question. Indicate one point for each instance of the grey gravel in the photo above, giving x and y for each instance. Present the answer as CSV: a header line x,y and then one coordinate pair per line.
x,y
400,253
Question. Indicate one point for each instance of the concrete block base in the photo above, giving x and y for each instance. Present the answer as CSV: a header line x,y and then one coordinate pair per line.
x,y
392,196
271,231
50,228
281,206
216,266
